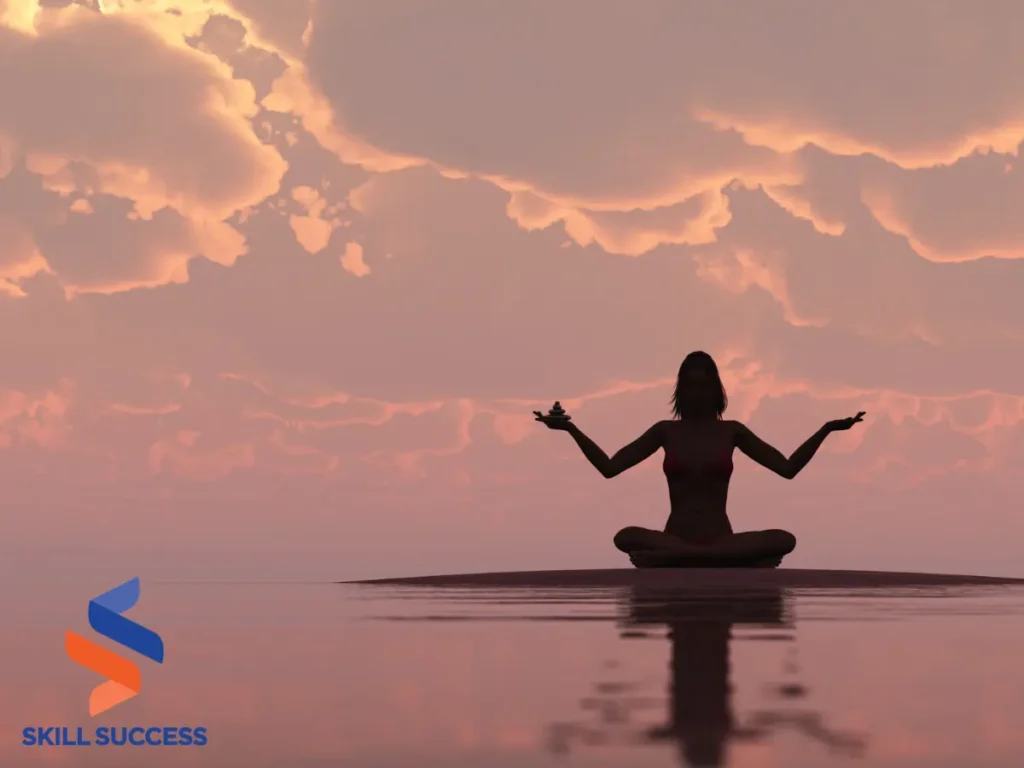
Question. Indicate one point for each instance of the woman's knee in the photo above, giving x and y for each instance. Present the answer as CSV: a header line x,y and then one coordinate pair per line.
x,y
630,538
779,540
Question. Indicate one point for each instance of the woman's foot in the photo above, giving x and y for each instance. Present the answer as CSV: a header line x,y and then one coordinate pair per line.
x,y
648,558
651,558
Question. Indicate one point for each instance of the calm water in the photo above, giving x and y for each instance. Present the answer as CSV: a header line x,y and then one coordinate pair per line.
x,y
324,675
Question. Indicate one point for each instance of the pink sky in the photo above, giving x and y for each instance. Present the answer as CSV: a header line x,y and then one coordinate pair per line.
x,y
280,282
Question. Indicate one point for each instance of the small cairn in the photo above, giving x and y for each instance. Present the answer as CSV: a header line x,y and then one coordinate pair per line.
x,y
558,412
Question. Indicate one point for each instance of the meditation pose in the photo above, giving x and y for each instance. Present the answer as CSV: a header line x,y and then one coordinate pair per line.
x,y
698,448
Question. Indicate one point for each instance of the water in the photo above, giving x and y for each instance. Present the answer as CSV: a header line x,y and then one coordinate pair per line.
x,y
327,675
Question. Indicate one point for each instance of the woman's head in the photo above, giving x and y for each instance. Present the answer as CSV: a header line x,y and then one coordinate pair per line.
x,y
699,391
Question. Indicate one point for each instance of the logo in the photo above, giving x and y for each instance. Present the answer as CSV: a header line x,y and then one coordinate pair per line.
x,y
124,679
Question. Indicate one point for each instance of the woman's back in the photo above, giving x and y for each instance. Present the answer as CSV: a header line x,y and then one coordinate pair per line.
x,y
698,466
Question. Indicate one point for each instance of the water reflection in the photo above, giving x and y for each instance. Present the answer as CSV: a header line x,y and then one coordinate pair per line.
x,y
701,721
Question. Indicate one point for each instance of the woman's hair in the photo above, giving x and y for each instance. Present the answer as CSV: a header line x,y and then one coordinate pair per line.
x,y
702,361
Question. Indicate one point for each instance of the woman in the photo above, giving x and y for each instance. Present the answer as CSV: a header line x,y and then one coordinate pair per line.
x,y
698,449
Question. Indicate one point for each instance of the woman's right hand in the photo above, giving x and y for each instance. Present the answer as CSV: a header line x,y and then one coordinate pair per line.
x,y
552,422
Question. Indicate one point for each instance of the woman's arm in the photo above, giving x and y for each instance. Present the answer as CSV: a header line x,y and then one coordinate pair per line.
x,y
628,457
770,458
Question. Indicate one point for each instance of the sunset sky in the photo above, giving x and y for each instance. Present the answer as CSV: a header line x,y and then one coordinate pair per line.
x,y
281,281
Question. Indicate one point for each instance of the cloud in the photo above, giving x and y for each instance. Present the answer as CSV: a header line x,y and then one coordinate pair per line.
x,y
900,82
181,138
668,102
976,224
116,176
280,26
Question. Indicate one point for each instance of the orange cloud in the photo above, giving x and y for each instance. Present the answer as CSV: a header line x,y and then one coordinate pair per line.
x,y
36,418
787,135
182,136
978,196
186,457
312,230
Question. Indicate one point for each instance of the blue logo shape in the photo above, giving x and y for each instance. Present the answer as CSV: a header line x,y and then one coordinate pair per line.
x,y
105,617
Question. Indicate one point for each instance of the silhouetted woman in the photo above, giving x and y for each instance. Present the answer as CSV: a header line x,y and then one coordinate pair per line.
x,y
698,447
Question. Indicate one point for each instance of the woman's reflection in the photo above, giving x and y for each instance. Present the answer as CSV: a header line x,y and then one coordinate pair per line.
x,y
701,720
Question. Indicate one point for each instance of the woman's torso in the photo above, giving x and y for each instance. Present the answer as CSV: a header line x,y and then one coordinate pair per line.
x,y
698,466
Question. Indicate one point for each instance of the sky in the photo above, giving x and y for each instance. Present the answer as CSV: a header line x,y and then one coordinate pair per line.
x,y
281,281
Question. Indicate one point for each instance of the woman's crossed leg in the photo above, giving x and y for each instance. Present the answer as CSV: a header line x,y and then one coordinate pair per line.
x,y
751,549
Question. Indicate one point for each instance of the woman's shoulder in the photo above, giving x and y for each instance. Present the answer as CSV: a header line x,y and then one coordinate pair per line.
x,y
734,428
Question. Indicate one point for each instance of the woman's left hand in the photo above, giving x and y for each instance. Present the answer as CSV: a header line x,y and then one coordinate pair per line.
x,y
841,425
